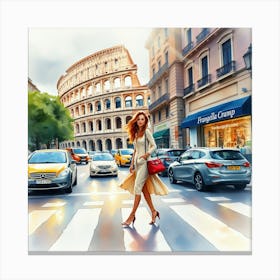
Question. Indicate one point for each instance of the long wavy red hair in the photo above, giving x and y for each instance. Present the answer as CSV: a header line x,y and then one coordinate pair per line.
x,y
132,127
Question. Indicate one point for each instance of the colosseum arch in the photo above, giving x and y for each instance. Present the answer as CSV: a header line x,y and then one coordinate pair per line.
x,y
107,104
117,83
119,144
127,81
77,128
139,101
90,108
107,85
118,102
78,144
128,102
83,109
98,125
84,144
77,113
99,145
108,124
108,144
98,106
127,119
90,126
91,145
118,122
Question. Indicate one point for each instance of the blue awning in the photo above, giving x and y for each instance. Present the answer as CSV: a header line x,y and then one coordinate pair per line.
x,y
229,110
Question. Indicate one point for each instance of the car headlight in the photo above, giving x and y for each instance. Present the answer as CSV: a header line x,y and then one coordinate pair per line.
x,y
64,173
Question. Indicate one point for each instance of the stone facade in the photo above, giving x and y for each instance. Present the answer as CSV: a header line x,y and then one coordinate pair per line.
x,y
102,93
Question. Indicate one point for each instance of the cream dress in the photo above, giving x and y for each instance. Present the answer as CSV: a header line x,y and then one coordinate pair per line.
x,y
135,181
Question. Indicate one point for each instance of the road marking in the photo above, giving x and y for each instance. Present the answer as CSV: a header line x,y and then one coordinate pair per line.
x,y
217,198
54,204
93,203
238,207
130,201
38,217
173,200
143,237
99,193
78,234
217,233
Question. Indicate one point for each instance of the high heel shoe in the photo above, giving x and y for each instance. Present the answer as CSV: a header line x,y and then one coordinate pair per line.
x,y
154,217
128,224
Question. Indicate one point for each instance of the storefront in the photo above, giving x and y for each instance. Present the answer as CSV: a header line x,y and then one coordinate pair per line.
x,y
162,138
225,125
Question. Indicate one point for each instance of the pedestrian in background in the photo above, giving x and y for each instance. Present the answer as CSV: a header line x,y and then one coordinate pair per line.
x,y
139,180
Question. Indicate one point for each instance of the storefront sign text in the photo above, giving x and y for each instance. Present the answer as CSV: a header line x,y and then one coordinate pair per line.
x,y
216,116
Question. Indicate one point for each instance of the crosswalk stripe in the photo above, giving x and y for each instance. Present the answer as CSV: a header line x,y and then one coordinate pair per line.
x,y
217,198
38,217
78,234
130,201
143,237
238,207
94,203
217,233
54,204
173,200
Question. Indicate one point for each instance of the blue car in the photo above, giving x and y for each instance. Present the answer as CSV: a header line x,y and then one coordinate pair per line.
x,y
205,167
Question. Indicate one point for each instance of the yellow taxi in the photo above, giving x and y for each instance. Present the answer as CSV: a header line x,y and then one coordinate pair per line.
x,y
51,169
123,157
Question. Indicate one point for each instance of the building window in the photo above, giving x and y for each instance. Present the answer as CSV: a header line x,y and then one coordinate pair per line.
x,y
91,126
98,106
107,104
127,119
117,83
166,57
127,81
128,102
167,112
77,128
139,101
226,52
166,86
98,88
190,76
159,91
84,127
118,103
189,35
159,65
107,85
99,125
154,117
159,116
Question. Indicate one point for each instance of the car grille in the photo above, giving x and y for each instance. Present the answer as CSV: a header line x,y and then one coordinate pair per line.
x,y
103,166
46,175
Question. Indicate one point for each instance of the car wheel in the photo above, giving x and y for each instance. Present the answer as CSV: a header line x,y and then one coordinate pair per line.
x,y
240,187
76,178
69,189
171,176
198,182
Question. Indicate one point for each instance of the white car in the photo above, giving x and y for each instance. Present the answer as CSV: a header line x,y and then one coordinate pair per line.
x,y
103,164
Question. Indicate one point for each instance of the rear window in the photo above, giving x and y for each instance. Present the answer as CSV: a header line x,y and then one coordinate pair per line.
x,y
176,153
48,157
226,155
79,151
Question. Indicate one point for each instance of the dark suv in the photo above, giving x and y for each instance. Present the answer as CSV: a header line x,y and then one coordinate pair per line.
x,y
79,155
168,156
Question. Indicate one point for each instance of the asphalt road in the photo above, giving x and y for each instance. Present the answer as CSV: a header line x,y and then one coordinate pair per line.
x,y
88,221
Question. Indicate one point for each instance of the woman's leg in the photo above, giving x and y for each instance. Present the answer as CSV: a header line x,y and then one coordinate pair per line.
x,y
131,217
148,198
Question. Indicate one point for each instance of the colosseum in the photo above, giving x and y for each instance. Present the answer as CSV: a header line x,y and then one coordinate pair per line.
x,y
102,92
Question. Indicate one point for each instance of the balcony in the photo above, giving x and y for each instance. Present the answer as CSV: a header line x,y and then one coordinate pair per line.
x,y
160,101
188,89
200,37
158,74
227,68
187,48
204,81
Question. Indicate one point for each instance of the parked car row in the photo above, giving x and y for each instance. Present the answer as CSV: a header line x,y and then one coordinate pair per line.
x,y
202,167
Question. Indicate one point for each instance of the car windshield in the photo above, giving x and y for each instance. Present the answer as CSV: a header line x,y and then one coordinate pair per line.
x,y
127,152
79,151
176,153
102,157
47,157
226,155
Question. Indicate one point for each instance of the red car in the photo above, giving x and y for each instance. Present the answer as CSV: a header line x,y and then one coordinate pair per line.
x,y
79,155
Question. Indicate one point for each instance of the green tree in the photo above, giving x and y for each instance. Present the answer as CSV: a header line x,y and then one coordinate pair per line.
x,y
48,120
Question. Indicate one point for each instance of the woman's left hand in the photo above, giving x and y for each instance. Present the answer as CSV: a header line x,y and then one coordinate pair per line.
x,y
145,156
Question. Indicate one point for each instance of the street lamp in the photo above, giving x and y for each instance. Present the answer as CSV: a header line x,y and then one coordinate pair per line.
x,y
248,58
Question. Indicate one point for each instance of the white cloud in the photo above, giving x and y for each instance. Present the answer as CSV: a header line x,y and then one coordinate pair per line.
x,y
53,50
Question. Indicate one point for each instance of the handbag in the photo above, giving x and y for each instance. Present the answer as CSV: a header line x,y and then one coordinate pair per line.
x,y
154,165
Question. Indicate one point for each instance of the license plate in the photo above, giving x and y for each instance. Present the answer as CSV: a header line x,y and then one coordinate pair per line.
x,y
233,167
43,181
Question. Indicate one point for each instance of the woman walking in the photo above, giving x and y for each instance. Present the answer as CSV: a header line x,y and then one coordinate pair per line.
x,y
139,179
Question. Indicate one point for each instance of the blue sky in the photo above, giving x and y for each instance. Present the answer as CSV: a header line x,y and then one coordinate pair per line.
x,y
51,51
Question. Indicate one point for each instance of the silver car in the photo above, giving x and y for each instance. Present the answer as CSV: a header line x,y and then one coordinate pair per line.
x,y
103,164
205,167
